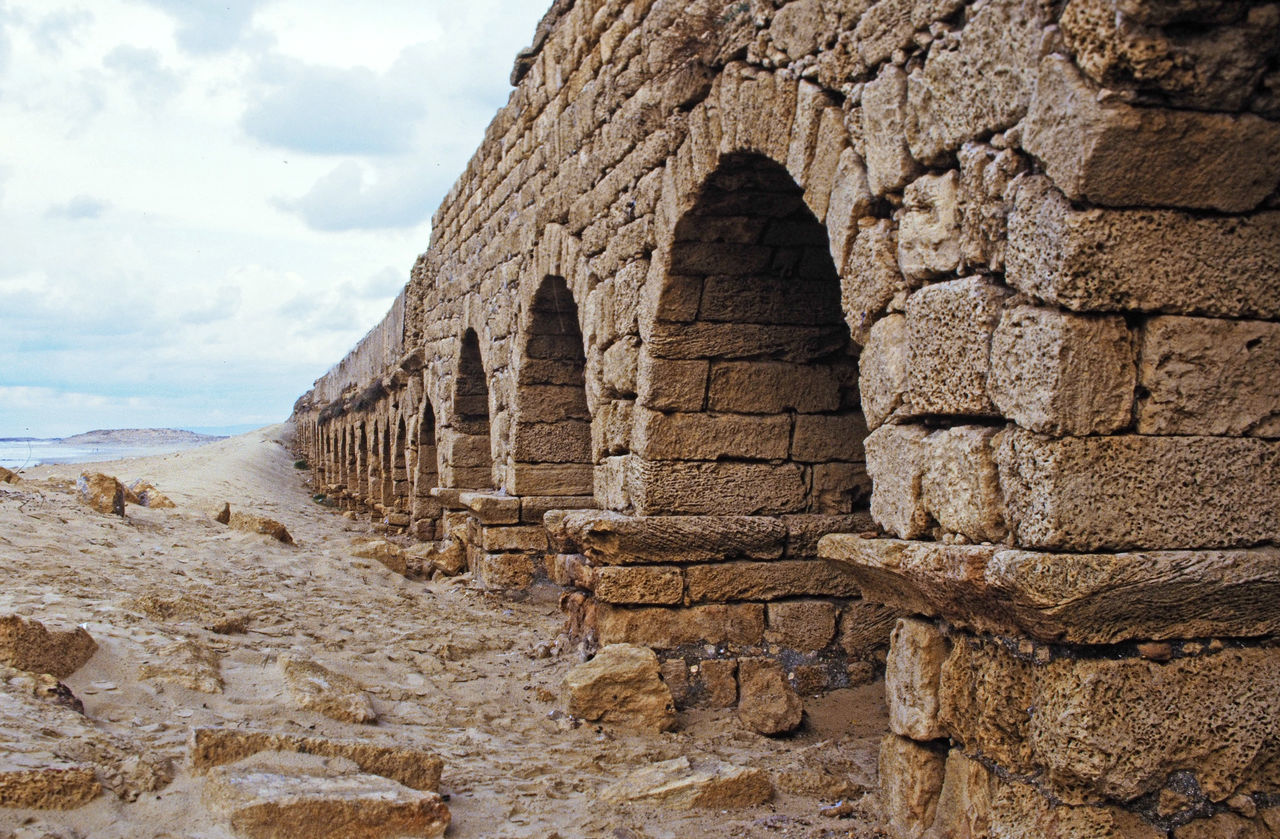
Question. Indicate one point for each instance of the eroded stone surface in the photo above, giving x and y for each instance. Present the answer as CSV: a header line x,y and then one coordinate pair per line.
x,y
314,687
621,685
28,645
680,783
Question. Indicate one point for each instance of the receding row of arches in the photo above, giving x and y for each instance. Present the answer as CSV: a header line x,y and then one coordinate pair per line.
x,y
751,406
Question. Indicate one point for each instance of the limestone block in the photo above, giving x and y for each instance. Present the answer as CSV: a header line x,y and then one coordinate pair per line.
x,y
705,436
890,166
653,584
550,478
491,508
980,86
621,685
677,783
871,279
850,203
767,704
664,628
839,487
8,476
949,329
985,176
911,776
314,687
620,366
28,645
766,387
896,459
308,797
544,403
1209,376
716,488
1151,260
511,571
566,441
416,769
611,482
865,629
801,624
1063,374
1074,598
58,785
1264,825
719,679
534,507
961,488
186,663
804,531
795,343
882,383
818,438
1115,729
1118,155
1212,67
911,676
767,580
530,537
101,492
1116,493
975,801
615,539
929,227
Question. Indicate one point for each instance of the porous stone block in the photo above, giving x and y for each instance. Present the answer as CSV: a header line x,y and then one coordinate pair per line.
x,y
28,645
415,768
663,628
929,227
512,571
818,438
716,488
1071,597
896,459
1063,374
736,340
314,687
705,436
949,327
865,629
1101,729
101,492
58,785
871,278
762,387
719,677
890,165
1109,260
985,176
1118,155
801,624
960,488
767,704
911,676
530,537
550,479
911,776
672,385
679,784
1127,492
981,86
616,539
622,685
654,584
767,580
882,383
1209,376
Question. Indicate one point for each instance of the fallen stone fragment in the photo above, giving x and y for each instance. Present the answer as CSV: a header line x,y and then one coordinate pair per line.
x,y
416,769
260,524
316,688
389,554
101,492
56,786
28,645
709,784
8,477
187,664
149,496
223,516
229,625
292,796
767,704
449,558
621,685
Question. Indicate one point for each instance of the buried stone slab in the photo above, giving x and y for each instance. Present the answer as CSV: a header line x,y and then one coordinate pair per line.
x,y
622,685
683,784
260,524
316,688
295,796
53,785
1098,598
28,645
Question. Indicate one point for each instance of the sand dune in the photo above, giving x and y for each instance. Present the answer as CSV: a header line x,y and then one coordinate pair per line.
x,y
447,668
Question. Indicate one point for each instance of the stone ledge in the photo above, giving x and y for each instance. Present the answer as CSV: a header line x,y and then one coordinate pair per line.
x,y
1073,598
616,539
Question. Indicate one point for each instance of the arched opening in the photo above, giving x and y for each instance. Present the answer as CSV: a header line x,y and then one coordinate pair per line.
x,y
360,486
400,469
374,480
470,458
749,401
386,493
551,429
426,509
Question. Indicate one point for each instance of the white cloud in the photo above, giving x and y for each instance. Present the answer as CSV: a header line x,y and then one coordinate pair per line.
x,y
80,207
59,29
142,69
357,197
210,26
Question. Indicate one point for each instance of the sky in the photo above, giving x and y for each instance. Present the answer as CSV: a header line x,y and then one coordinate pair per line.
x,y
204,204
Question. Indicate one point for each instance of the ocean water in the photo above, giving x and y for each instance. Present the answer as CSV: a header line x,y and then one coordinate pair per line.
x,y
20,454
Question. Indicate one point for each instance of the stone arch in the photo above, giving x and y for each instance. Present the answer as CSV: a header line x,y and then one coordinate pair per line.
x,y
748,397
386,488
551,427
426,510
401,485
360,486
470,458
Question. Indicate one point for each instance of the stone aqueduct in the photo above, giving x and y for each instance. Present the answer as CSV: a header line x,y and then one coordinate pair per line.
x,y
930,335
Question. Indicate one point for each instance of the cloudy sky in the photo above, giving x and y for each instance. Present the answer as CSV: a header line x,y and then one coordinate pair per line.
x,y
205,203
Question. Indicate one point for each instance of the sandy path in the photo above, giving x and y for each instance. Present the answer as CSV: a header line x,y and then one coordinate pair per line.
x,y
449,668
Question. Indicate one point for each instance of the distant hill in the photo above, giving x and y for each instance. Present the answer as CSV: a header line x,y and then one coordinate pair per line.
x,y
139,437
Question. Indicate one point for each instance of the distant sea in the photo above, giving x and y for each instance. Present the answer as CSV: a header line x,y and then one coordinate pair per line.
x,y
21,454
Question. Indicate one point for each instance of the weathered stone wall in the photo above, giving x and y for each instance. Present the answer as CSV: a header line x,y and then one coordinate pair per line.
x,y
994,282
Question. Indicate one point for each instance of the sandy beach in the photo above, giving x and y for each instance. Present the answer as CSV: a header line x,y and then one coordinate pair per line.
x,y
466,674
